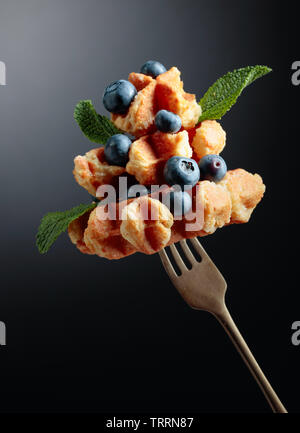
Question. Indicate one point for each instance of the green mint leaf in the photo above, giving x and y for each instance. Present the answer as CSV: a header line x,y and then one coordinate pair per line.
x,y
95,127
54,223
224,92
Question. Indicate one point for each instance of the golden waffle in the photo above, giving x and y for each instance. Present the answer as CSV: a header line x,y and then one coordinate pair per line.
x,y
209,138
76,232
171,96
230,201
246,190
103,237
164,92
139,120
139,80
148,155
91,170
145,234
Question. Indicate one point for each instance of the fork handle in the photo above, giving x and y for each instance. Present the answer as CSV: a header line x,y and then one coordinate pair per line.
x,y
231,329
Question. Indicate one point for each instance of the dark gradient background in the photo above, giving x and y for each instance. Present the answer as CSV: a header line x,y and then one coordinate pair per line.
x,y
85,334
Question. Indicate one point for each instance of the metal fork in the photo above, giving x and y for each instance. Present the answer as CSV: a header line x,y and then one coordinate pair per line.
x,y
203,287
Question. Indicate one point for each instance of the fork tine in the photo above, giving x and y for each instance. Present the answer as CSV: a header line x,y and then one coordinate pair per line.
x,y
187,252
179,262
200,250
167,264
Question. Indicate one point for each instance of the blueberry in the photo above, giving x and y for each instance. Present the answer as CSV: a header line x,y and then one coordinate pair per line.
x,y
116,150
212,167
180,202
181,171
118,96
166,121
153,68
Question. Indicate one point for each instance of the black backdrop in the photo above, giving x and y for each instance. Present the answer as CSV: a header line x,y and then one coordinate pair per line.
x,y
85,334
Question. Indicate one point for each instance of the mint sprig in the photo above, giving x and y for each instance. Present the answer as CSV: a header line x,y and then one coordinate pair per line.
x,y
55,223
95,127
221,96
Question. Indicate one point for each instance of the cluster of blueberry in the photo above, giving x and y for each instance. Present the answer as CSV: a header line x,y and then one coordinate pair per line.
x,y
184,172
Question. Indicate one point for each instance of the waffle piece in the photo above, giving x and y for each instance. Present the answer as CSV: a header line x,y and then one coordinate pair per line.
x,y
145,234
211,210
246,190
91,170
164,92
139,120
76,232
170,96
103,238
217,206
148,155
230,201
139,80
209,138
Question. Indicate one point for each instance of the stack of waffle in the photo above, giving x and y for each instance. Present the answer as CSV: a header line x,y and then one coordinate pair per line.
x,y
231,200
